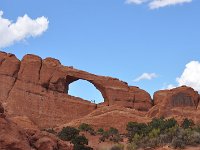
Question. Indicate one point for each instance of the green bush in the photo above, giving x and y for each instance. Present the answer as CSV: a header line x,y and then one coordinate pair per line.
x,y
136,128
112,135
162,124
187,123
153,142
131,146
116,138
87,128
113,131
154,133
68,133
80,140
136,138
100,131
160,132
84,127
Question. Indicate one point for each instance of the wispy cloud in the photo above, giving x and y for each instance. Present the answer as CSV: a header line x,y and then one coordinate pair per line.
x,y
23,28
146,76
163,3
154,4
135,1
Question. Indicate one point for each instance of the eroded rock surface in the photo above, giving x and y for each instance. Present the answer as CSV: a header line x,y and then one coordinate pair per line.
x,y
181,102
38,88
14,136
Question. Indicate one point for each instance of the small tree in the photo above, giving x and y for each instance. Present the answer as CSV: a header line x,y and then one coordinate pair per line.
x,y
85,127
187,123
80,143
68,133
100,131
136,128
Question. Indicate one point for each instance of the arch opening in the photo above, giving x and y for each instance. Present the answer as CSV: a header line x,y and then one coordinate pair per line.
x,y
85,90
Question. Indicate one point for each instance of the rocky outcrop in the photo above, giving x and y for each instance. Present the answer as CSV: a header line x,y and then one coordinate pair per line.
x,y
37,88
11,135
110,116
16,137
34,92
181,102
178,97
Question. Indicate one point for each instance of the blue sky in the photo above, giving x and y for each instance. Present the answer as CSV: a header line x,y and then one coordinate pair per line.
x,y
112,38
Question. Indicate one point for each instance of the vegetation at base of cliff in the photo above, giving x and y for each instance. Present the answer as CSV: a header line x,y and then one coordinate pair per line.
x,y
87,128
72,134
160,132
110,135
157,133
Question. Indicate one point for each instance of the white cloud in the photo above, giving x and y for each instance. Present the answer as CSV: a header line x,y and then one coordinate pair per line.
x,y
190,75
163,3
146,76
153,4
135,1
23,28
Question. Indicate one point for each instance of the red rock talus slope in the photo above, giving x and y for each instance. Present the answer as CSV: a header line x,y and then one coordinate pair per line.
x,y
37,89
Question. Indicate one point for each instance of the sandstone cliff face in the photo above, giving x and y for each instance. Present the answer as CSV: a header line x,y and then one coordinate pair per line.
x,y
38,88
181,102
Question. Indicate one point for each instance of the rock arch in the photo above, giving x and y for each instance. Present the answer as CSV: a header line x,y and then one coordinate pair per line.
x,y
71,79
88,87
36,88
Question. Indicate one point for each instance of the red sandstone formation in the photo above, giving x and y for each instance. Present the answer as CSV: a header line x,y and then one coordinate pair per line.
x,y
37,89
34,94
181,102
14,137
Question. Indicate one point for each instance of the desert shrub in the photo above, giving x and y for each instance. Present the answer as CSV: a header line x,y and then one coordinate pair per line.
x,y
136,128
177,143
84,127
80,140
164,139
100,131
187,123
116,138
112,135
160,132
117,147
113,131
169,123
194,138
72,134
131,146
162,124
68,133
153,142
154,133
136,138
196,128
87,128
